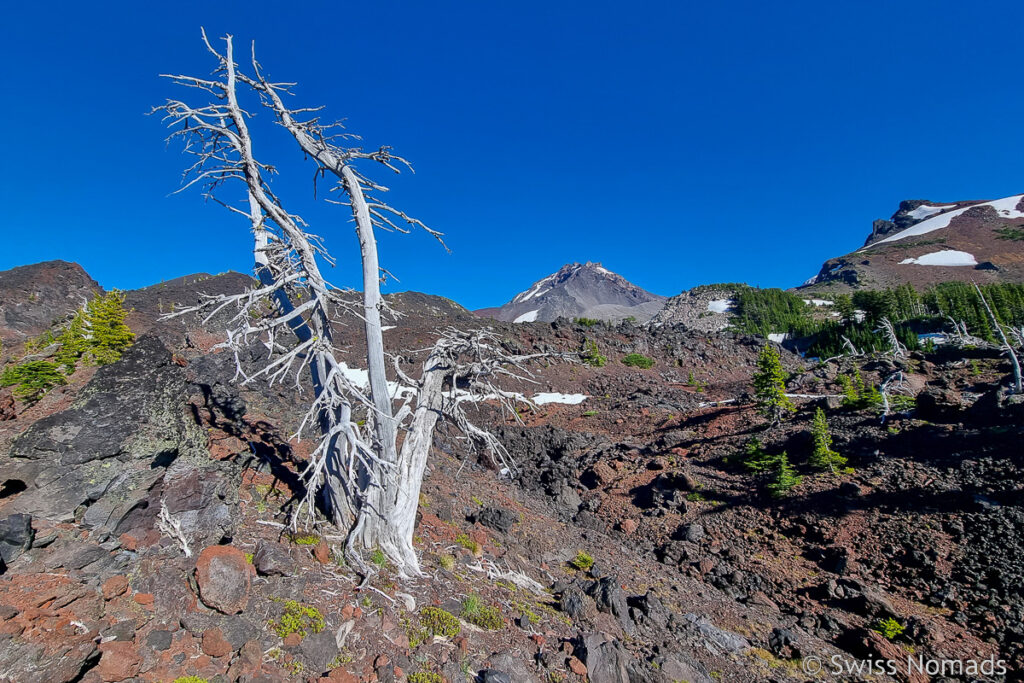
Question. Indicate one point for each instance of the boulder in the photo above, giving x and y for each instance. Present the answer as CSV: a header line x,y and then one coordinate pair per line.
x,y
222,575
15,536
606,660
717,639
498,519
272,559
611,599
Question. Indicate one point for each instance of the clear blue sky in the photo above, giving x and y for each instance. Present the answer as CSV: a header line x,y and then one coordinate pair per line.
x,y
677,142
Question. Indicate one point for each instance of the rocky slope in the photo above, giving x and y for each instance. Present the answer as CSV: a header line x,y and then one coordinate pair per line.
x,y
925,243
33,297
697,575
705,309
577,290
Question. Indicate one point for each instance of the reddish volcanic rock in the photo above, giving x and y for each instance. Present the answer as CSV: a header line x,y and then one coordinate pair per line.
x,y
120,660
222,574
114,586
214,643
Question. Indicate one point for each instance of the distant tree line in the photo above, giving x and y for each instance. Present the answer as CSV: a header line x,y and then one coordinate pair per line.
x,y
765,311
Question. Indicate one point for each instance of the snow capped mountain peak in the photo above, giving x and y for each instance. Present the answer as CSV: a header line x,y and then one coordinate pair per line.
x,y
578,290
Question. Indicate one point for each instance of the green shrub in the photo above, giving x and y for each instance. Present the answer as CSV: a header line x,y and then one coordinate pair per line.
x,y
305,539
823,457
447,562
32,379
589,413
298,618
586,322
379,558
190,679
438,622
890,628
425,677
476,612
583,561
1010,233
637,360
468,543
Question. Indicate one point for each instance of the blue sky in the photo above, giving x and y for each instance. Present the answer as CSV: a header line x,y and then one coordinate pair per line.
x,y
679,143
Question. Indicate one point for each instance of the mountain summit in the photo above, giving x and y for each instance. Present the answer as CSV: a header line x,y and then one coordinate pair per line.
x,y
578,290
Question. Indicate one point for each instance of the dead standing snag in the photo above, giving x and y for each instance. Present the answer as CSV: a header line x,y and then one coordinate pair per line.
x,y
368,483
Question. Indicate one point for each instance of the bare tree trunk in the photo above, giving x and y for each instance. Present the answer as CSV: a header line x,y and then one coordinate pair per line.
x,y
1018,387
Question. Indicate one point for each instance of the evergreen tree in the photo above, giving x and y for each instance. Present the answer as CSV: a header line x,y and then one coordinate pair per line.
x,y
72,343
756,459
823,457
770,386
107,334
784,477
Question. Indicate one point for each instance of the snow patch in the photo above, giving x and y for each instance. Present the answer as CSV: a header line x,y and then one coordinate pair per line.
x,y
924,211
528,317
777,337
567,399
534,291
603,271
948,257
818,302
361,380
1005,207
720,305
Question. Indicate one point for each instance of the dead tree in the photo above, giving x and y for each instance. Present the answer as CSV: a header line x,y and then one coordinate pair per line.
x,y
1018,387
895,346
368,483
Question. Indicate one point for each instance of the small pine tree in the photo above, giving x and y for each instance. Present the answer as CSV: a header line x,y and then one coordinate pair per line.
x,y
857,394
592,356
770,386
107,335
783,478
755,459
823,457
73,342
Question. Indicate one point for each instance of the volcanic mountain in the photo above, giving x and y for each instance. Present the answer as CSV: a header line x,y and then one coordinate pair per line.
x,y
925,243
585,290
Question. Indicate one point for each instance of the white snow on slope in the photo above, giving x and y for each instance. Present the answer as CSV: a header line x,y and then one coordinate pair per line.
x,y
720,305
948,257
818,302
603,270
1006,207
777,337
534,291
567,399
527,317
925,210
361,379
